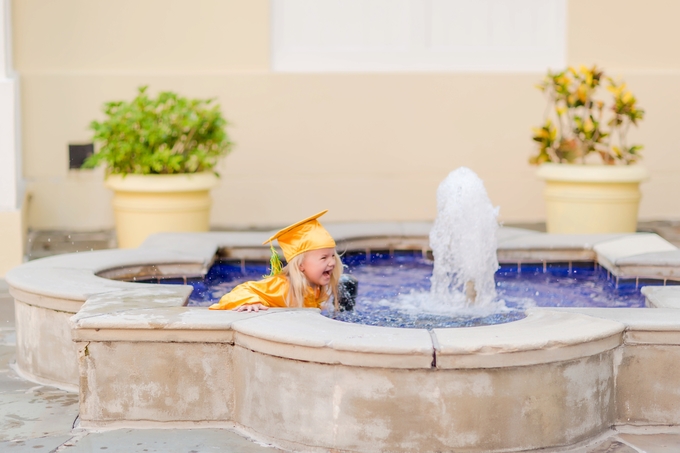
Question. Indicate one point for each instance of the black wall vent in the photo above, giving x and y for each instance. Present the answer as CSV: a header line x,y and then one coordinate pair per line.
x,y
78,153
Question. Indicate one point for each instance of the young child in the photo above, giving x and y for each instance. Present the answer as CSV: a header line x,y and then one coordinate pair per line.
x,y
309,279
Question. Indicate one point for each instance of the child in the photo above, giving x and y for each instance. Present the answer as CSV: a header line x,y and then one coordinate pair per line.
x,y
309,279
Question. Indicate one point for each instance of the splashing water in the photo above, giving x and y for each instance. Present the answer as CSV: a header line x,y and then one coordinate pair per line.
x,y
463,242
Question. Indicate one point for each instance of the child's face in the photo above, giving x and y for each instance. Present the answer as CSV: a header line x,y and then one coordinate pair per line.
x,y
318,265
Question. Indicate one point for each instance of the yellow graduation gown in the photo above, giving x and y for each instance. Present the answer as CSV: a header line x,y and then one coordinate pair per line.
x,y
270,292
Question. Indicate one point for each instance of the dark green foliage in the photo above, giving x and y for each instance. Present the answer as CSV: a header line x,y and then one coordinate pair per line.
x,y
164,135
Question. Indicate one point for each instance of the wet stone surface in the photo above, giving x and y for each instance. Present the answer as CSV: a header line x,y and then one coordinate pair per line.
x,y
654,443
36,445
612,446
165,441
28,410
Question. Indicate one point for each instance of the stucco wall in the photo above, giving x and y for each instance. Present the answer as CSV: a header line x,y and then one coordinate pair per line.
x,y
365,146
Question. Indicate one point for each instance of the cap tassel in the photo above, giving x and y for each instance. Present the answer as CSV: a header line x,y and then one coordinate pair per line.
x,y
275,262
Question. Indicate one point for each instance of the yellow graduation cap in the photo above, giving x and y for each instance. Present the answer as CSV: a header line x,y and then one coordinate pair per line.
x,y
305,235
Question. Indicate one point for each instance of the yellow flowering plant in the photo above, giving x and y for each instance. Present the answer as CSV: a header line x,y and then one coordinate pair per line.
x,y
575,120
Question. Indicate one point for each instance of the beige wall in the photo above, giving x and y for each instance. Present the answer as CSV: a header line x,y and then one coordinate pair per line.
x,y
11,240
132,37
624,35
365,146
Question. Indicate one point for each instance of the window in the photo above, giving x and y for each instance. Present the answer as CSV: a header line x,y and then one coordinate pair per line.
x,y
418,35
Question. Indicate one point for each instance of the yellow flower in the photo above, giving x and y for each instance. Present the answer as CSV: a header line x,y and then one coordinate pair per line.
x,y
582,93
588,125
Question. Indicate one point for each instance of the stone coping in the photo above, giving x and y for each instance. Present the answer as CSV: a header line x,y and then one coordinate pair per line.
x,y
304,334
662,297
120,311
73,276
666,319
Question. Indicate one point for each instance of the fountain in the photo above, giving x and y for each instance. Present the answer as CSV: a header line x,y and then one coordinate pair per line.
x,y
558,377
463,242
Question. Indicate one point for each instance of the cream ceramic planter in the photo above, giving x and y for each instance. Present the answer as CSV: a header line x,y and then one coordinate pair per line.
x,y
592,198
147,204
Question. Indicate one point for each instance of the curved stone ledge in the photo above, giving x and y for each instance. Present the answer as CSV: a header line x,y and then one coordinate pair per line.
x,y
634,319
140,296
543,336
662,297
169,324
73,276
44,349
45,301
297,334
310,337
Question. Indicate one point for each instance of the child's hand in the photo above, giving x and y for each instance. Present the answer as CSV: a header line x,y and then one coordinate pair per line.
x,y
251,307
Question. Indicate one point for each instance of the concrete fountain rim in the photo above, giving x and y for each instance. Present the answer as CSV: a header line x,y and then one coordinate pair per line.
x,y
118,311
113,339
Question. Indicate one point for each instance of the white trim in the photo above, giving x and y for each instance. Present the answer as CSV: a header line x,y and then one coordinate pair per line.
x,y
11,191
8,157
6,70
418,35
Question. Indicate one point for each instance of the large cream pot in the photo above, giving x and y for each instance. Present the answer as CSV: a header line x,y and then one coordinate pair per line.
x,y
147,204
592,198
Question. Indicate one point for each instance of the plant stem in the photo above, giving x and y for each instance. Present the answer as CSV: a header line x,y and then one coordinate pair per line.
x,y
182,143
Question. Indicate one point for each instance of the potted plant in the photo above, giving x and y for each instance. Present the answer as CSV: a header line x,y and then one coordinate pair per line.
x,y
584,156
160,155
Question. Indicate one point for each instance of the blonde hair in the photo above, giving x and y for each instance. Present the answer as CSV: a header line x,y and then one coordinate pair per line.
x,y
299,284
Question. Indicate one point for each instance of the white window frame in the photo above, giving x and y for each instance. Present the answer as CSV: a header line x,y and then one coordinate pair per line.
x,y
415,48
10,157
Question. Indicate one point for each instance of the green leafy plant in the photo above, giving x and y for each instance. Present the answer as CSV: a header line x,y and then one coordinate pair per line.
x,y
164,135
574,125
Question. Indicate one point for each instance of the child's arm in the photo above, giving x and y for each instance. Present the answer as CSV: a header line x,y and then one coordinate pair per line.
x,y
255,296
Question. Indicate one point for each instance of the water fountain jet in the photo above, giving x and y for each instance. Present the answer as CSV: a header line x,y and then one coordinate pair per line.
x,y
463,242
